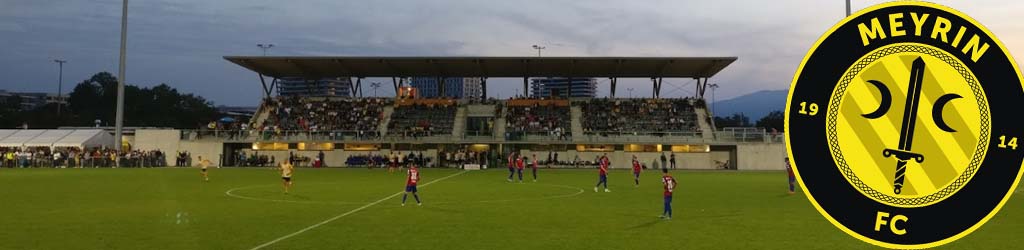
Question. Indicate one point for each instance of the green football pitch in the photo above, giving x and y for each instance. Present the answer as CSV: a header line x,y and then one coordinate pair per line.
x,y
360,209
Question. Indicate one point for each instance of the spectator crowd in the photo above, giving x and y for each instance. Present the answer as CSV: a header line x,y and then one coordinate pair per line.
x,y
423,119
538,118
79,158
609,116
360,116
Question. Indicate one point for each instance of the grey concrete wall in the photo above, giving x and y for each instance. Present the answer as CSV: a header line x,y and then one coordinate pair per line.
x,y
337,157
211,150
761,156
624,160
166,140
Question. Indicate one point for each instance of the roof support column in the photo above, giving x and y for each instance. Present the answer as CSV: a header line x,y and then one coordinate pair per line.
x,y
526,80
394,81
440,88
483,88
654,87
266,90
613,80
356,87
568,88
701,87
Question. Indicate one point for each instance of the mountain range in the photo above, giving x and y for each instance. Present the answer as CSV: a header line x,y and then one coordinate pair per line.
x,y
754,105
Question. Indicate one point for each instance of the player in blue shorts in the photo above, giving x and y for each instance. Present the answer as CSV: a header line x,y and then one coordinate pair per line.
x,y
636,172
520,164
511,166
670,185
602,174
410,185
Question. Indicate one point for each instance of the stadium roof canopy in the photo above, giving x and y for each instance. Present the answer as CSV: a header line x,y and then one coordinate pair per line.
x,y
398,67
623,67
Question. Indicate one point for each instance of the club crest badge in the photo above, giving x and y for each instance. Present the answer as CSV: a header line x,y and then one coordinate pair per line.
x,y
901,127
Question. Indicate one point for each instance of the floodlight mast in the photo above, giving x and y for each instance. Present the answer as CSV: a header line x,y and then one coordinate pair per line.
x,y
265,47
119,117
539,48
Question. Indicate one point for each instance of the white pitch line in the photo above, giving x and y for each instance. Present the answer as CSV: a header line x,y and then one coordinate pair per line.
x,y
348,213
231,193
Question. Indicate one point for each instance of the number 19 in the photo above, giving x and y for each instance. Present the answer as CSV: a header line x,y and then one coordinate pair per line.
x,y
813,108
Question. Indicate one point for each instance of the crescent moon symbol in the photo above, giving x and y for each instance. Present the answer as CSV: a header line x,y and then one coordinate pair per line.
x,y
886,100
937,111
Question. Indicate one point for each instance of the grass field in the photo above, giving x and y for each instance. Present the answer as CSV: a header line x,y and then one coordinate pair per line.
x,y
245,208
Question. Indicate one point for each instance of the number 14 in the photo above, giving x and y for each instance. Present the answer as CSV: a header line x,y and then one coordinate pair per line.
x,y
1003,143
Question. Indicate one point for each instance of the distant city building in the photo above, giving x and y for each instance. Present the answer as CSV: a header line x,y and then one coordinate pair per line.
x,y
454,87
471,88
30,101
294,86
560,87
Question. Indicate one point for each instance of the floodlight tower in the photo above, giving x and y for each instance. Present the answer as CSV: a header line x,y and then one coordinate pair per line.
x,y
538,48
265,47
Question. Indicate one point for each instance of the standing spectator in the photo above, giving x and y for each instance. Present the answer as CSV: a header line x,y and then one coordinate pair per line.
x,y
320,158
533,165
672,160
401,160
663,160
550,158
56,159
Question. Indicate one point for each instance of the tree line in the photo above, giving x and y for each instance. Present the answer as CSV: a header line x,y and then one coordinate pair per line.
x,y
94,99
775,120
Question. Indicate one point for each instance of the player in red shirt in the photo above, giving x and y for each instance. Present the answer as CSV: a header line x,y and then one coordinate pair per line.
x,y
670,184
412,177
533,165
792,177
511,165
636,171
520,164
603,173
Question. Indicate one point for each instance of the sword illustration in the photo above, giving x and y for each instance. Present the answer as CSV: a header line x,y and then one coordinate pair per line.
x,y
903,153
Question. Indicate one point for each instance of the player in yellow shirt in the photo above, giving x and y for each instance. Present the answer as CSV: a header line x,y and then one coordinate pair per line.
x,y
203,164
286,175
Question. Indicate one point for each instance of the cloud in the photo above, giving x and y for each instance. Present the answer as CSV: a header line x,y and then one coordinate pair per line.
x,y
181,42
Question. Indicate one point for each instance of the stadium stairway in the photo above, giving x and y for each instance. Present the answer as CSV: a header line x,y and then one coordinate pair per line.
x,y
499,122
707,128
386,113
576,118
262,113
459,127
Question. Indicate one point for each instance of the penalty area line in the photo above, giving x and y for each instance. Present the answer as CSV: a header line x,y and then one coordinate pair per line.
x,y
348,213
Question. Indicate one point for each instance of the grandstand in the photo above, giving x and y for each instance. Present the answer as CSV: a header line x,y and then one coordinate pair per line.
x,y
350,129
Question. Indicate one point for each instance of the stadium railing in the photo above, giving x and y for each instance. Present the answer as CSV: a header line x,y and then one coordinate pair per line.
x,y
726,135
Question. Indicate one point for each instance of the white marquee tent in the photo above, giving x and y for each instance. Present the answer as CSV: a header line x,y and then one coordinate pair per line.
x,y
89,138
47,138
19,138
83,138
4,133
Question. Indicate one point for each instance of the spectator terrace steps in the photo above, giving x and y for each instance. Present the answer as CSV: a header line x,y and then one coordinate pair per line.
x,y
576,114
386,114
706,128
459,127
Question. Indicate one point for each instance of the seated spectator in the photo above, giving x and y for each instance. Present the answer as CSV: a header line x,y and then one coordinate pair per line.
x,y
425,118
538,118
360,116
615,116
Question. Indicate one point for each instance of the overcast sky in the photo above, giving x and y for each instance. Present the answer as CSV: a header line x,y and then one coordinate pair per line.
x,y
181,42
